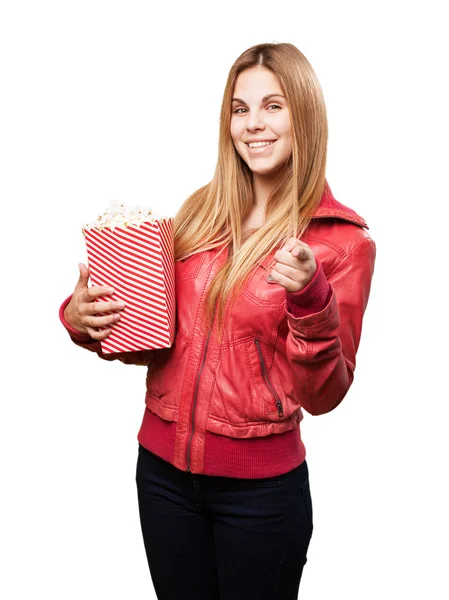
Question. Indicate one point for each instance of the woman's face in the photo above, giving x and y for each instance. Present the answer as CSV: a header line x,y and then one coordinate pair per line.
x,y
260,113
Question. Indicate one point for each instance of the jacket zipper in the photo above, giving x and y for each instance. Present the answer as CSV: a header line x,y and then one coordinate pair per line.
x,y
195,395
267,380
195,398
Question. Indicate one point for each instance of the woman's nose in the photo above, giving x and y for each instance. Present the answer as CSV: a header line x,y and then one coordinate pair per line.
x,y
255,121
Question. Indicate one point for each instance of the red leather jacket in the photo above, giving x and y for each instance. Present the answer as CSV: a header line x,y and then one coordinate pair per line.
x,y
270,364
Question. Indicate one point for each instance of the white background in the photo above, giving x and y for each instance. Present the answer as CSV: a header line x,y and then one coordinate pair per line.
x,y
120,101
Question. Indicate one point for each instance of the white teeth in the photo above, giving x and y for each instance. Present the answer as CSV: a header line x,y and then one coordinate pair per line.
x,y
258,144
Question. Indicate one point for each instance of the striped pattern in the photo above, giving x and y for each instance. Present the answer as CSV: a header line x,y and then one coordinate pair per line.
x,y
138,262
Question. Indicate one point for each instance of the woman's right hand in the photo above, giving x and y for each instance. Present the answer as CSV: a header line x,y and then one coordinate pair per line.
x,y
82,311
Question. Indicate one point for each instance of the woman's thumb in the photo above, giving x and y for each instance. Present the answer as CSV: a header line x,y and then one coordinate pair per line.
x,y
84,275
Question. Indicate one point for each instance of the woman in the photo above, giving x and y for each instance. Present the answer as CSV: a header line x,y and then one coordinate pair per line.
x,y
272,280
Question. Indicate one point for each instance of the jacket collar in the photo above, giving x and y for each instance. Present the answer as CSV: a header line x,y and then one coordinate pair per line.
x,y
329,207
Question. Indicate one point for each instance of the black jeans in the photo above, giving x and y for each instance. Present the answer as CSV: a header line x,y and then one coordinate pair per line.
x,y
223,538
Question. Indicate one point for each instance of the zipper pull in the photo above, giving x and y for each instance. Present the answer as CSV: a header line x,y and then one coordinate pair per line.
x,y
280,408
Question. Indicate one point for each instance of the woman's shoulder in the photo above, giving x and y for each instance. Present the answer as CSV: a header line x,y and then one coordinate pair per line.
x,y
336,232
337,223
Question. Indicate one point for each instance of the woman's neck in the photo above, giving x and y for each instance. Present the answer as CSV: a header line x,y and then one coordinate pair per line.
x,y
263,185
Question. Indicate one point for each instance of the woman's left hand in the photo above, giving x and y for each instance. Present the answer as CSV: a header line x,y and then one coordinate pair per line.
x,y
295,265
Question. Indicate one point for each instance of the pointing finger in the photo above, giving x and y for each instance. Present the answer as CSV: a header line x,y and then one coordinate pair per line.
x,y
300,253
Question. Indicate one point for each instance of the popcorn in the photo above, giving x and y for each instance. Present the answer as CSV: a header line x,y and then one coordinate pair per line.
x,y
118,214
131,249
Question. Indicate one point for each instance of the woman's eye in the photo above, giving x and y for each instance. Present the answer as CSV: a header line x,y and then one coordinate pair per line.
x,y
237,111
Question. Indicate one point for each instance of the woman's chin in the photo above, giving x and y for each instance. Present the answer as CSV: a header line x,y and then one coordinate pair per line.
x,y
267,172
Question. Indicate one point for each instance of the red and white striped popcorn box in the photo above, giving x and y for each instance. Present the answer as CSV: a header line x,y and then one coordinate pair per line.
x,y
138,262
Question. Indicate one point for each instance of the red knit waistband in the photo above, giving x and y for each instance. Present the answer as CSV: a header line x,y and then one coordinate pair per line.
x,y
229,457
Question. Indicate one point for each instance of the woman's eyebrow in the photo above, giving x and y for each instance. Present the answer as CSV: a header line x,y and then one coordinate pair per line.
x,y
264,99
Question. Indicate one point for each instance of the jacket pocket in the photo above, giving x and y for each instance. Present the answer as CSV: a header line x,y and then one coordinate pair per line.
x,y
166,372
249,392
274,383
277,401
262,291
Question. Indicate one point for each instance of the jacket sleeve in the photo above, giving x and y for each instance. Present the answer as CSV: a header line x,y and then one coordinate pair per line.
x,y
142,357
321,347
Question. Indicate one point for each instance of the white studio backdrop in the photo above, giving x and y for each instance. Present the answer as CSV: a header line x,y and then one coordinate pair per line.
x,y
120,101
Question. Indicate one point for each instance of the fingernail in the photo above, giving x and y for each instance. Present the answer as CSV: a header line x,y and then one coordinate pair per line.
x,y
285,247
121,304
110,290
270,278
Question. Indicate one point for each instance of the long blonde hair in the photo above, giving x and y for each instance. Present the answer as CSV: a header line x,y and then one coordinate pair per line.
x,y
213,215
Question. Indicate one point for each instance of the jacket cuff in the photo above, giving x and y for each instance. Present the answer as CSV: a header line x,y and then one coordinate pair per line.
x,y
77,336
313,297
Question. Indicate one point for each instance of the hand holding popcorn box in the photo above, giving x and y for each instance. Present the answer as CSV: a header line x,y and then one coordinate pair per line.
x,y
132,251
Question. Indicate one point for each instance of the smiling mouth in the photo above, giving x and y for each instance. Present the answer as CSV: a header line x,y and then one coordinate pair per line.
x,y
260,144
